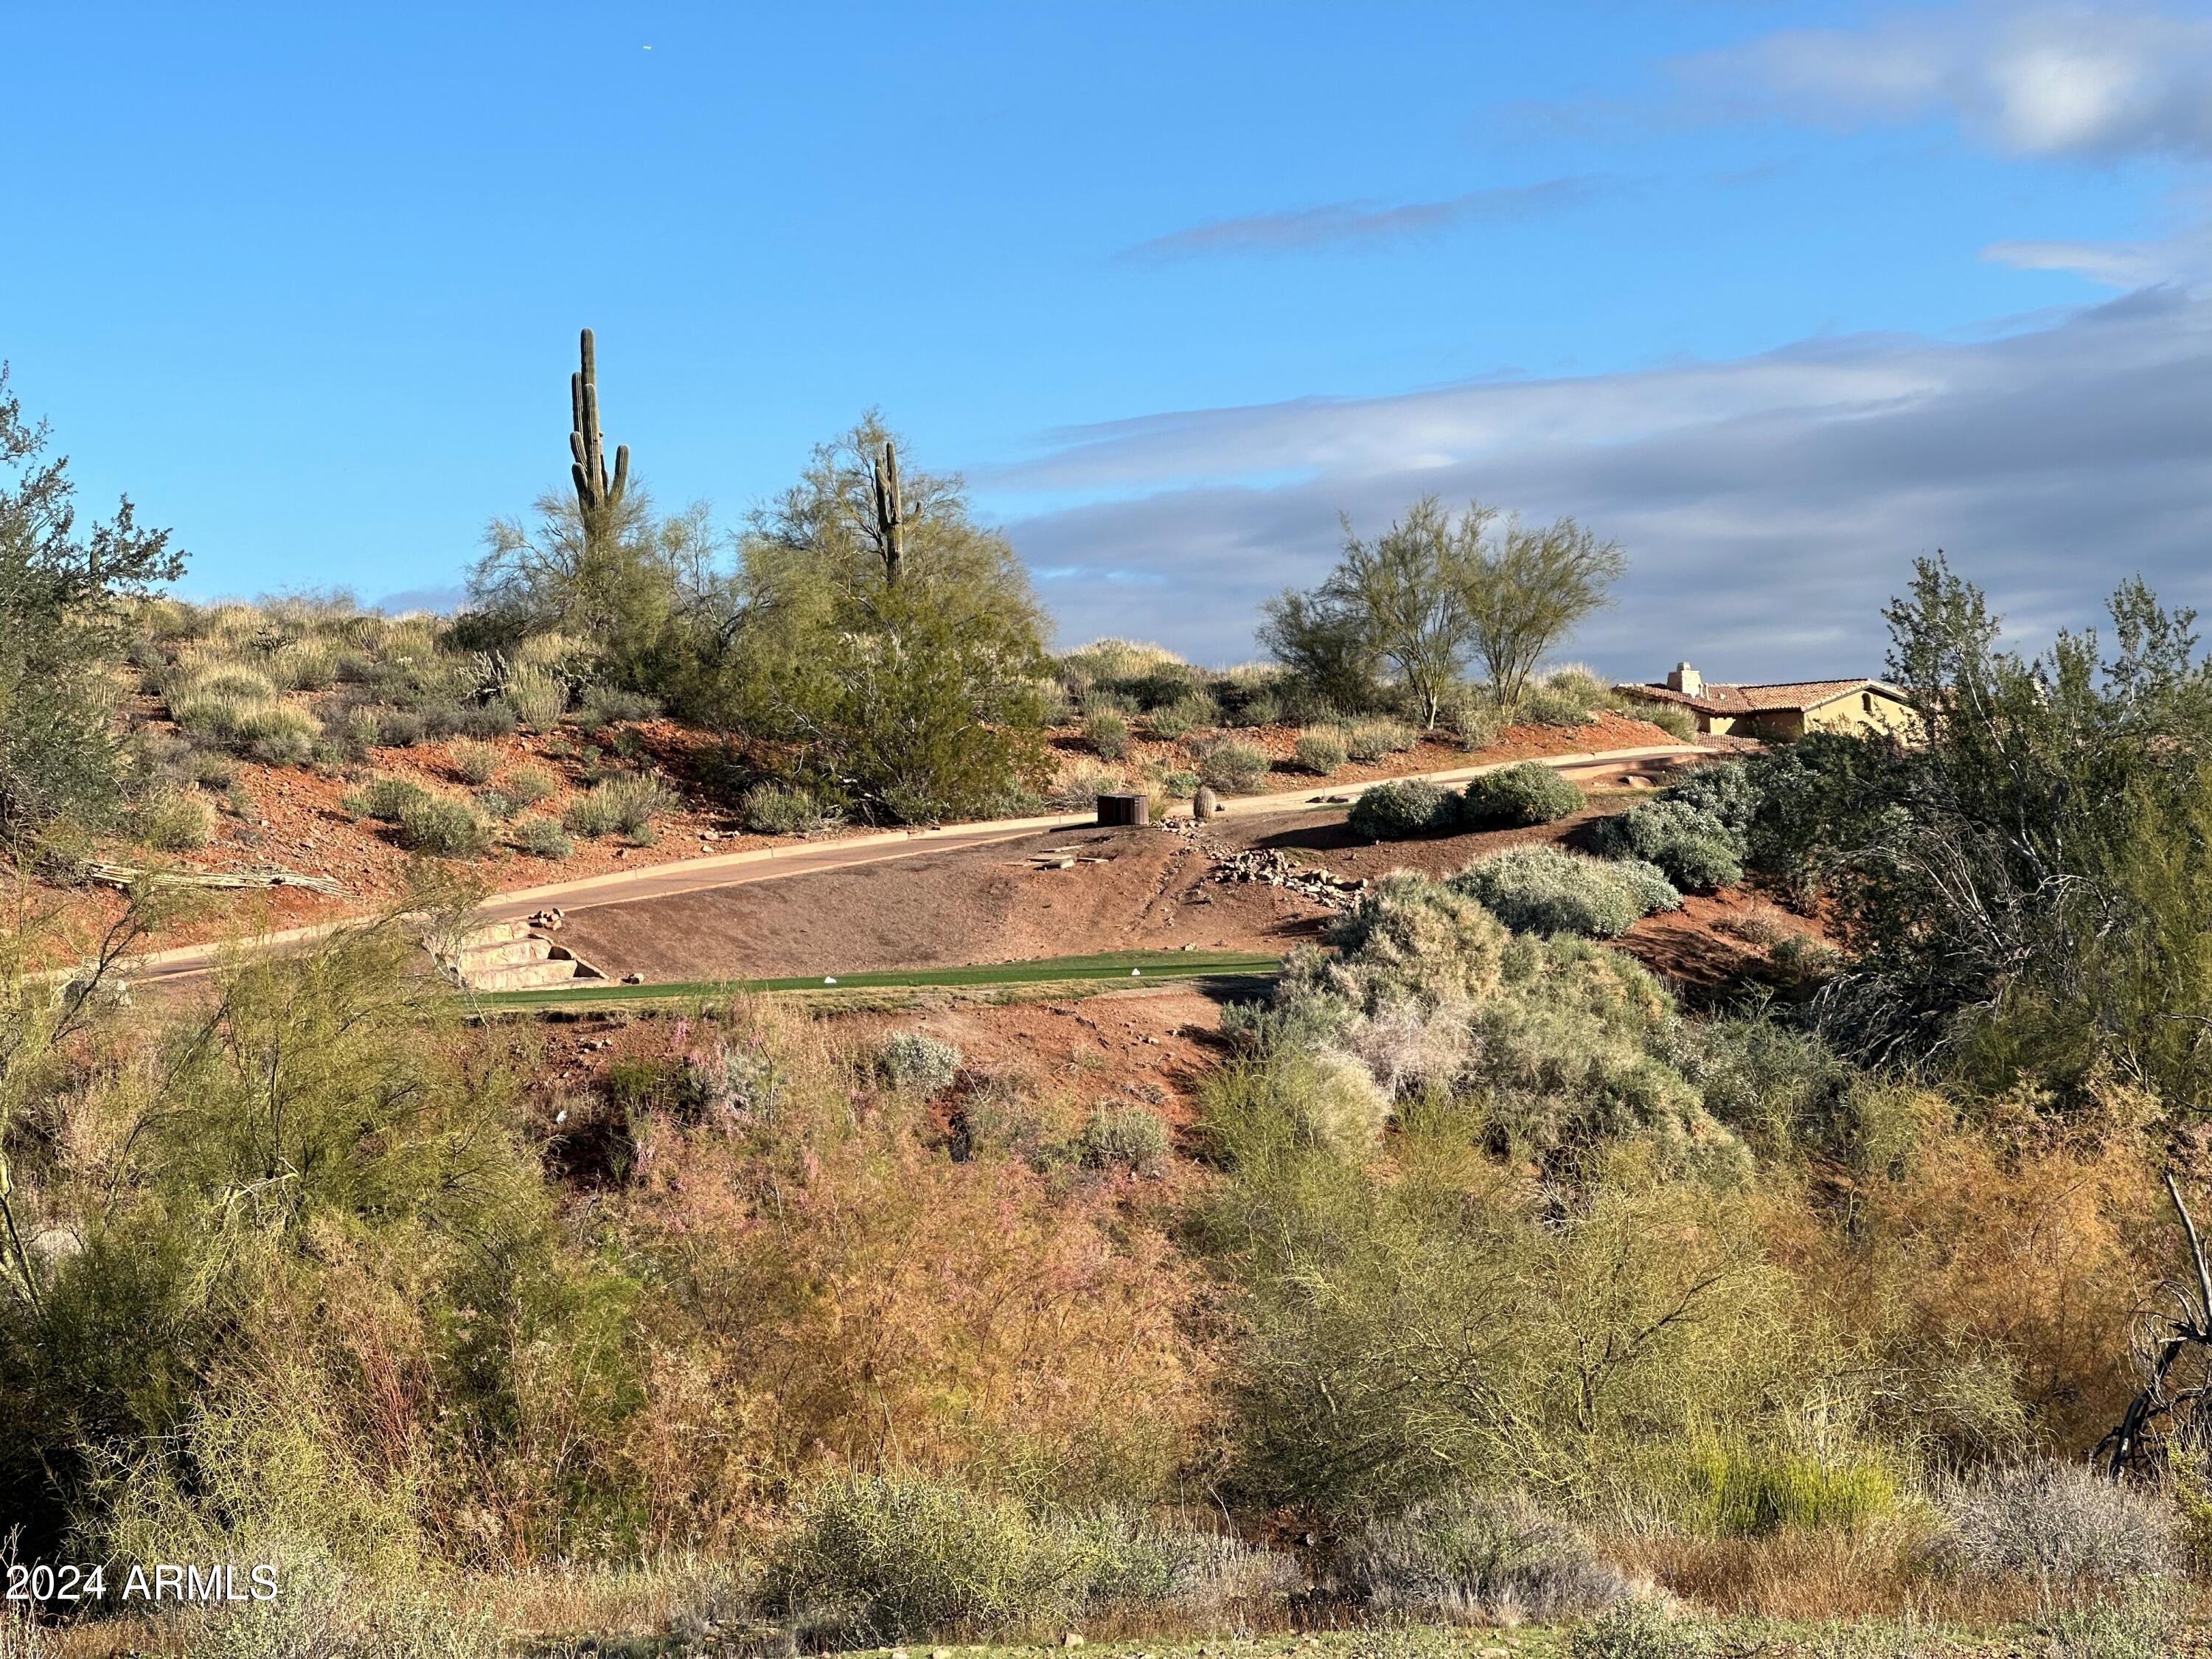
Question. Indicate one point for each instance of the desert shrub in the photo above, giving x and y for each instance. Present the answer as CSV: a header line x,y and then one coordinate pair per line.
x,y
1729,791
1262,708
1320,749
1181,781
1515,797
1472,717
1230,765
1174,721
495,719
1544,890
2060,1524
1677,722
496,804
1082,783
541,837
1107,732
304,665
538,696
1546,705
1320,1100
172,821
628,802
1400,808
1697,851
1128,1136
916,1060
400,728
277,734
775,808
892,1557
385,799
213,769
1749,1492
475,763
526,785
1466,1557
1369,741
2137,1626
1644,1630
611,705
441,826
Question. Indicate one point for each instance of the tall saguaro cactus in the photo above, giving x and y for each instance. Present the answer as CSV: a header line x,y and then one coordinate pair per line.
x,y
597,494
891,514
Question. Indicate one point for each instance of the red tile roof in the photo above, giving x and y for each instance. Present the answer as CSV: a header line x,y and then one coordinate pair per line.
x,y
1717,698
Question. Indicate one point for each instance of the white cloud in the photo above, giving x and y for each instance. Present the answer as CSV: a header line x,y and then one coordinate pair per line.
x,y
1335,224
1769,505
2081,80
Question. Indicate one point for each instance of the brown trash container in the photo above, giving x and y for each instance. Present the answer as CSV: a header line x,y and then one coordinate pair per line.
x,y
1124,809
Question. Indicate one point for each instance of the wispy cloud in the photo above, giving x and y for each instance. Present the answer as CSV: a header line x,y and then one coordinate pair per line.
x,y
1769,504
1367,224
2091,81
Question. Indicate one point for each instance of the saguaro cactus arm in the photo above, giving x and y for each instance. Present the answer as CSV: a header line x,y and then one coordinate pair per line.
x,y
890,514
587,445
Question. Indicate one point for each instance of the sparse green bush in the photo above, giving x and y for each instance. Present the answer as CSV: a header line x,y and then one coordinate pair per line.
x,y
1230,765
887,1557
542,838
400,728
526,785
1182,782
497,804
475,763
1644,1630
1369,741
1748,1492
1128,1136
1260,708
1081,784
628,801
1516,797
1193,712
483,719
441,826
611,705
916,1060
1676,721
1545,890
1466,1558
1107,732
776,808
172,821
1473,716
1321,750
1553,705
1697,851
538,696
277,734
1399,808
385,799
213,769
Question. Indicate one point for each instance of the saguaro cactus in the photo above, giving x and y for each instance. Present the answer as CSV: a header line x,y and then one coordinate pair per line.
x,y
891,514
596,492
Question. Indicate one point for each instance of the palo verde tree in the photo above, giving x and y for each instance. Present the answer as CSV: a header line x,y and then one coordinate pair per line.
x,y
887,644
1433,591
1528,588
63,634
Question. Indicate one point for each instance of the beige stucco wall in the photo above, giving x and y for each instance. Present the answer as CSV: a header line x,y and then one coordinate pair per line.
x,y
1861,711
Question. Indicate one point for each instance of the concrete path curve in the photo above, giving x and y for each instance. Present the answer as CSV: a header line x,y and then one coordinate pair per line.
x,y
801,858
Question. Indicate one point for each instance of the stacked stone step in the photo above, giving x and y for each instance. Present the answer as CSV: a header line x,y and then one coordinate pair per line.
x,y
508,956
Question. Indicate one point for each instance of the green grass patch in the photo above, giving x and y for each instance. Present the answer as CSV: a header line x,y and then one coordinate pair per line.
x,y
1134,966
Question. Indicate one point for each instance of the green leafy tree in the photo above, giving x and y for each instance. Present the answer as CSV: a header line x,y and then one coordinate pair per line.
x,y
63,634
1401,600
1529,588
906,686
2018,886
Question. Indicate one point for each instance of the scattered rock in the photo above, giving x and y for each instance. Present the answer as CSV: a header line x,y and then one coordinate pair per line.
x,y
632,979
1073,1639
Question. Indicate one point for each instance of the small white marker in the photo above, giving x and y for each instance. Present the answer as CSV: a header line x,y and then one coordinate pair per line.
x,y
828,979
1135,972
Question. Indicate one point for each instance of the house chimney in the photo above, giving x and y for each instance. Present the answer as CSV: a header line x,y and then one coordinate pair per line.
x,y
1686,679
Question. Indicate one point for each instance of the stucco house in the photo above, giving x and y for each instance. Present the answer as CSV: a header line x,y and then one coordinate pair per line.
x,y
1782,712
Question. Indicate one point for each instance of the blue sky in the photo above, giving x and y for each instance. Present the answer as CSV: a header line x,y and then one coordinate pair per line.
x,y
1780,295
